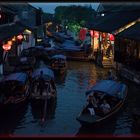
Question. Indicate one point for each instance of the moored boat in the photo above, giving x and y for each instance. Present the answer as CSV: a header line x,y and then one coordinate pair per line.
x,y
111,96
59,64
43,92
14,90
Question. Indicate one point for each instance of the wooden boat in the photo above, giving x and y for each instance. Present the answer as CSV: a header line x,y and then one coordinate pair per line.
x,y
49,91
113,92
59,64
53,51
14,89
26,64
37,51
73,51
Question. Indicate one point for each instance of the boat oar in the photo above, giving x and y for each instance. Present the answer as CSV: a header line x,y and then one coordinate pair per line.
x,y
45,107
45,110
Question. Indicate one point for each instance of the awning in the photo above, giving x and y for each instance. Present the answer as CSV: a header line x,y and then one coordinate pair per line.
x,y
8,31
7,9
114,20
132,32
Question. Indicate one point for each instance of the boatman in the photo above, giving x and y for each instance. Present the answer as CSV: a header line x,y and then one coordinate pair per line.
x,y
41,85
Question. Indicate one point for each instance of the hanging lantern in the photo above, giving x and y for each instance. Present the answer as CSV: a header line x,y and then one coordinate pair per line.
x,y
6,47
20,37
111,37
91,33
10,43
14,38
82,34
96,34
103,35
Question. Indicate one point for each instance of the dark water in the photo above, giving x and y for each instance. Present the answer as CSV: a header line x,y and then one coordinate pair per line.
x,y
61,119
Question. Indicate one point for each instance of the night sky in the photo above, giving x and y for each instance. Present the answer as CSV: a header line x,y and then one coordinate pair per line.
x,y
49,7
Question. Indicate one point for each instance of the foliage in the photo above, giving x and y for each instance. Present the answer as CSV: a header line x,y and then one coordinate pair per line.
x,y
81,15
74,27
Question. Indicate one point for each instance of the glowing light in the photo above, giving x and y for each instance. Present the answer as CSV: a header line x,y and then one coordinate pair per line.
x,y
14,38
91,33
111,37
20,37
102,14
6,47
96,34
103,35
10,43
28,31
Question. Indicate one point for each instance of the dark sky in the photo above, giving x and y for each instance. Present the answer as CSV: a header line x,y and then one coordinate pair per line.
x,y
49,7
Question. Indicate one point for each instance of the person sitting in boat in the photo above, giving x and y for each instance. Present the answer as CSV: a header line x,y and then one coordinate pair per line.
x,y
41,85
105,107
91,105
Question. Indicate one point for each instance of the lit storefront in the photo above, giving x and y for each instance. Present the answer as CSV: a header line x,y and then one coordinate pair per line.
x,y
108,27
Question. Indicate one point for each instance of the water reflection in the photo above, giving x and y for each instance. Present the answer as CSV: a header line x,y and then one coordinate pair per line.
x,y
60,79
61,118
43,111
11,120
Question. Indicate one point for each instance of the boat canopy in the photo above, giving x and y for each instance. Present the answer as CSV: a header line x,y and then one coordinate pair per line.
x,y
39,47
109,87
23,59
46,72
59,56
20,76
49,49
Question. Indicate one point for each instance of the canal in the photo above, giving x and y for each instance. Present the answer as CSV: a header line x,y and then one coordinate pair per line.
x,y
71,97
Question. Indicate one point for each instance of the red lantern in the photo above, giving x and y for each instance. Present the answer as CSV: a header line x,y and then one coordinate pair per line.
x,y
6,47
103,35
10,42
82,34
20,37
91,33
111,37
96,34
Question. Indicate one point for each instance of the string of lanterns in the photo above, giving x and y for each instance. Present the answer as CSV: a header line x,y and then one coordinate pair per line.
x,y
96,34
9,43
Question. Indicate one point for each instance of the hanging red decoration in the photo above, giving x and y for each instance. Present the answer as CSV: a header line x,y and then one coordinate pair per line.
x,y
111,37
6,47
82,34
103,35
20,37
96,34
91,33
